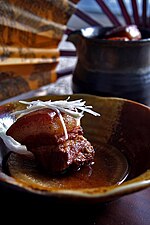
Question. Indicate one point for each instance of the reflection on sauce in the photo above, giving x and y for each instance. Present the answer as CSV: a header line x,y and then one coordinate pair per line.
x,y
110,167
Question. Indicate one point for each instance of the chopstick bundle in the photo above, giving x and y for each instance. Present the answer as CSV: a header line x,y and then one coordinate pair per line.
x,y
107,6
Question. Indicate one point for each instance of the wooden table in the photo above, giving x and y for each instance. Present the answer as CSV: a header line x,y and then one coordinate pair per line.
x,y
133,209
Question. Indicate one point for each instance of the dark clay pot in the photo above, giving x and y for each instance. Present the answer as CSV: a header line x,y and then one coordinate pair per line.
x,y
112,68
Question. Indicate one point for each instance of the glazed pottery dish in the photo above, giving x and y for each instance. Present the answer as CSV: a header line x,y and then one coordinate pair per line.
x,y
113,66
120,137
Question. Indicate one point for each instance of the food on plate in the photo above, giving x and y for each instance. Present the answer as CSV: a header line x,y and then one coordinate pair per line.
x,y
124,33
52,131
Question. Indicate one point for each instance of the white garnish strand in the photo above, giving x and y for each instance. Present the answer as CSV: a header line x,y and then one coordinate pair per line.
x,y
74,108
10,143
69,107
63,124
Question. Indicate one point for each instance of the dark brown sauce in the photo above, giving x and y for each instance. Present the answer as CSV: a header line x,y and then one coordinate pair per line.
x,y
110,168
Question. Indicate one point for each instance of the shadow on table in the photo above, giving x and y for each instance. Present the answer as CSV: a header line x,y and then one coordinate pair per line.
x,y
24,207
28,206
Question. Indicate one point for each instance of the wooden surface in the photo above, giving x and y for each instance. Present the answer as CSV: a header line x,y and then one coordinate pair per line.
x,y
133,209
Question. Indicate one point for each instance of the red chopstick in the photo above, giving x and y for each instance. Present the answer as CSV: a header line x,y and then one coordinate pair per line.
x,y
124,12
135,12
144,13
88,19
67,53
108,12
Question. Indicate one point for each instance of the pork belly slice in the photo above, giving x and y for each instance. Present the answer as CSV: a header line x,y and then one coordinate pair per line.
x,y
43,134
42,127
58,157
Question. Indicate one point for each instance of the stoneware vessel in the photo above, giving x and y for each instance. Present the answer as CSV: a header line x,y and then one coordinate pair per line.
x,y
112,68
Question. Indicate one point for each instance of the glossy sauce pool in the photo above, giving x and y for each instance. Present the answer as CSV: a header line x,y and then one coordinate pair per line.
x,y
110,168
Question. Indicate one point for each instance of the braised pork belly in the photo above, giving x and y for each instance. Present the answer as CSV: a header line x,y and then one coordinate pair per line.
x,y
55,139
42,132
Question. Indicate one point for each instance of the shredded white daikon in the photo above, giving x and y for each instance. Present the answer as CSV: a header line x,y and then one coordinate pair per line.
x,y
75,108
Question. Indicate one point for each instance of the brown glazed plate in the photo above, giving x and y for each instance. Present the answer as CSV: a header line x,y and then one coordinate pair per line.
x,y
120,137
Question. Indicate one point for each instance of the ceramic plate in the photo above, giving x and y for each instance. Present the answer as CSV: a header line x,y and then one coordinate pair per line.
x,y
120,137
